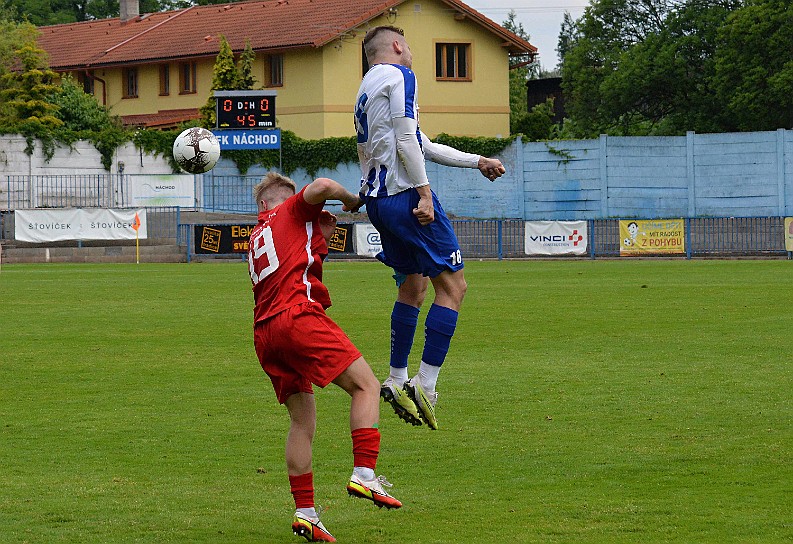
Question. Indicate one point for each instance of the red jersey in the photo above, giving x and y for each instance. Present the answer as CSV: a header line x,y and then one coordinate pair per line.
x,y
285,258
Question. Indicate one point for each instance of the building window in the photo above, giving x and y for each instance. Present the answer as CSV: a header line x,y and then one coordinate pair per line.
x,y
187,78
165,79
274,71
453,61
86,81
130,82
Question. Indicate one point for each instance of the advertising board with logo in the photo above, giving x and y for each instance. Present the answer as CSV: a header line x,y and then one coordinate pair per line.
x,y
57,225
642,236
341,240
226,239
161,190
222,239
556,238
367,240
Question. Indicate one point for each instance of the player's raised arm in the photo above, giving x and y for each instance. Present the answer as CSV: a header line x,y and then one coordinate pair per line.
x,y
449,156
322,189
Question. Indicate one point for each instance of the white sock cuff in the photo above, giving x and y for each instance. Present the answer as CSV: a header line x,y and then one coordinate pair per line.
x,y
363,473
428,374
399,375
310,512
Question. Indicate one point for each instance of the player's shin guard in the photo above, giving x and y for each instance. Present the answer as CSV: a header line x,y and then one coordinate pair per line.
x,y
440,325
404,319
365,447
302,487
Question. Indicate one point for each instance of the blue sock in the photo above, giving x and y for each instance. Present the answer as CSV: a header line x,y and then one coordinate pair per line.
x,y
440,325
404,319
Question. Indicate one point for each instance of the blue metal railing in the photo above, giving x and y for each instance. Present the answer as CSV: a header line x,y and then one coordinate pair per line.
x,y
504,238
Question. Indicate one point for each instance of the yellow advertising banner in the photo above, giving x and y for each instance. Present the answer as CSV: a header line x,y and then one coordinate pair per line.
x,y
643,236
788,233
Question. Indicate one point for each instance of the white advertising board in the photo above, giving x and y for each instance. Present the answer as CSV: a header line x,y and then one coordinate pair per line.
x,y
556,238
57,225
367,240
161,190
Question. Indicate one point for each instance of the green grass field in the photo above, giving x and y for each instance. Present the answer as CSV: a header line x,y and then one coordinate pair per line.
x,y
582,402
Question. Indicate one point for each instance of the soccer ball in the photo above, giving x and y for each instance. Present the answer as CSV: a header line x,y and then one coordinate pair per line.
x,y
627,242
196,150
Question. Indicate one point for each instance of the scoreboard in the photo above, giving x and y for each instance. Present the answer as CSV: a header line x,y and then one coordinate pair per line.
x,y
245,109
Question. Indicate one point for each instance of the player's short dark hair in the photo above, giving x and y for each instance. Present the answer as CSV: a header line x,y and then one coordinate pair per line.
x,y
378,29
373,33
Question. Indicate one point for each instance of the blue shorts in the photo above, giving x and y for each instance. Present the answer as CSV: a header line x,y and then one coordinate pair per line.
x,y
409,247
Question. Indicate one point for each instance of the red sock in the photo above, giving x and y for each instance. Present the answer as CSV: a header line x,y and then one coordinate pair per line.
x,y
303,490
365,447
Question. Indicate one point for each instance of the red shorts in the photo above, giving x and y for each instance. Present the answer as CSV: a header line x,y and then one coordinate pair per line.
x,y
301,346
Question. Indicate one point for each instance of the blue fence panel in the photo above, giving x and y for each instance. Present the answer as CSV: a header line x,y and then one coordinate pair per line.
x,y
500,239
162,223
229,193
726,236
17,193
605,237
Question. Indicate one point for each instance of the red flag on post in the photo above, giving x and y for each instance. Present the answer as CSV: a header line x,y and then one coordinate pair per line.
x,y
136,223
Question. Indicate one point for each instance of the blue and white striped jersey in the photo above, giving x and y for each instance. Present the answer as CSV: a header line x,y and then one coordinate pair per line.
x,y
387,91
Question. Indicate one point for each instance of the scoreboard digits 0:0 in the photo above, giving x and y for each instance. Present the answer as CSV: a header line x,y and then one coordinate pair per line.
x,y
245,110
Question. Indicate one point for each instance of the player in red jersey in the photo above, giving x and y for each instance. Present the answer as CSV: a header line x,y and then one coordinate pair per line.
x,y
299,345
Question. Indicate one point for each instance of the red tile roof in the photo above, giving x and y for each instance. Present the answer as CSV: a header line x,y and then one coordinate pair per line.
x,y
162,119
193,32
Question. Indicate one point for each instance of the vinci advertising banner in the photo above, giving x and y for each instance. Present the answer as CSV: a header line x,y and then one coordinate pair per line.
x,y
58,225
556,238
788,233
162,190
642,236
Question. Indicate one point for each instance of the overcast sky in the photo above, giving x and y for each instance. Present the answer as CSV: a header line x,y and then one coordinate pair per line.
x,y
541,19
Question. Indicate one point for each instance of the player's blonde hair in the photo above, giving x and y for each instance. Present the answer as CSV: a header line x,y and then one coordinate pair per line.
x,y
271,184
375,40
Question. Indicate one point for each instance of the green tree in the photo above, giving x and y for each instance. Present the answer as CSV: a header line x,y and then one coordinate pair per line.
x,y
538,123
12,37
50,12
606,30
661,85
27,90
644,67
225,76
78,110
568,34
246,79
753,75
522,67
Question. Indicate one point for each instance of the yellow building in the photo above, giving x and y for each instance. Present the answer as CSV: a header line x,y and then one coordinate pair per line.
x,y
156,69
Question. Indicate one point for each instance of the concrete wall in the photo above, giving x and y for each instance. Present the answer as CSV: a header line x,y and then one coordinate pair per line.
x,y
697,175
81,158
